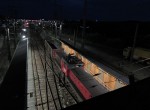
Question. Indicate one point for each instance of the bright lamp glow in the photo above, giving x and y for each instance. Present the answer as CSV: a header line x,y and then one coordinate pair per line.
x,y
23,36
24,29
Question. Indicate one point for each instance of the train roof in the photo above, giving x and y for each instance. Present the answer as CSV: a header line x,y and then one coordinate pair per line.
x,y
122,77
119,74
91,83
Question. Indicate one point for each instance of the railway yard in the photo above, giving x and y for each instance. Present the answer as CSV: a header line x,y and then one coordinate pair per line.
x,y
50,92
58,83
54,75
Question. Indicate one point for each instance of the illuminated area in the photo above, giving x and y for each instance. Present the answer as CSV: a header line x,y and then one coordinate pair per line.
x,y
26,24
24,30
103,77
23,36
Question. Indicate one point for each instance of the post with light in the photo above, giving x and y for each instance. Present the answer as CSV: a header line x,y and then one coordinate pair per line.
x,y
8,45
134,43
55,29
75,36
60,30
84,23
15,33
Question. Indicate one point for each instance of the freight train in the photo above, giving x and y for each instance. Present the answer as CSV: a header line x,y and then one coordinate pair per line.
x,y
72,67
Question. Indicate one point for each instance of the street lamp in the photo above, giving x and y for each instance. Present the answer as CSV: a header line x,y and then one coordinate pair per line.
x,y
23,36
55,24
134,43
24,30
8,44
84,22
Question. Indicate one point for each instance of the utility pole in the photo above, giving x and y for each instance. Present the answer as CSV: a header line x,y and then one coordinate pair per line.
x,y
8,45
84,23
60,29
75,36
15,33
55,9
12,11
134,43
55,17
55,29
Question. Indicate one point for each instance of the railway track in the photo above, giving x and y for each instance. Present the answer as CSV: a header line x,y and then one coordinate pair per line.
x,y
39,81
50,91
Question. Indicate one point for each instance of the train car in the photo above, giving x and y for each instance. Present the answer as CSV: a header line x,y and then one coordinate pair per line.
x,y
84,82
73,69
52,49
106,75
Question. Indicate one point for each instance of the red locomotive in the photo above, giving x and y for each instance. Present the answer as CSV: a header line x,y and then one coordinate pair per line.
x,y
72,67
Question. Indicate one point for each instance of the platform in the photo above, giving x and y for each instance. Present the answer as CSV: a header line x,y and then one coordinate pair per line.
x,y
13,88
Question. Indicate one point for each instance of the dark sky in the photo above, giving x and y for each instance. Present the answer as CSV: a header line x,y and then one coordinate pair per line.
x,y
72,9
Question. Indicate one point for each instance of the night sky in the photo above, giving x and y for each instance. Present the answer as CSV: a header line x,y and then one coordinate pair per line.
x,y
105,10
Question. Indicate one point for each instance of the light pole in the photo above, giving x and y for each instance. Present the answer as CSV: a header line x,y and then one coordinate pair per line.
x,y
134,43
60,30
75,36
84,23
8,45
15,33
55,29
